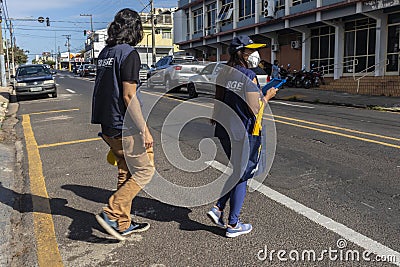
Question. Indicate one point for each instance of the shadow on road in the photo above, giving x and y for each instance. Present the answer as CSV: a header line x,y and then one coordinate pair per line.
x,y
82,224
148,208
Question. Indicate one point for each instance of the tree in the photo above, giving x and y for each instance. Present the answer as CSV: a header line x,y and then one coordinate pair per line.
x,y
19,55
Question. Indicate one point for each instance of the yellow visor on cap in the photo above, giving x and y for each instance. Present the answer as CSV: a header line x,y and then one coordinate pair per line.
x,y
255,46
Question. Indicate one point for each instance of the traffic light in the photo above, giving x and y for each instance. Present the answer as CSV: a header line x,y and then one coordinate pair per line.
x,y
47,22
84,32
269,8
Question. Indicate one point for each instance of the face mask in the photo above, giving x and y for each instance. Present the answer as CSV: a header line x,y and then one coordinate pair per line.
x,y
254,59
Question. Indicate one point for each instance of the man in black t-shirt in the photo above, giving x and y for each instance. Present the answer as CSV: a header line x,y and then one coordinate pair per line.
x,y
115,101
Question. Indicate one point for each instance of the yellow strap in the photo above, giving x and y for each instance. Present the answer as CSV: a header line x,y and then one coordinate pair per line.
x,y
258,124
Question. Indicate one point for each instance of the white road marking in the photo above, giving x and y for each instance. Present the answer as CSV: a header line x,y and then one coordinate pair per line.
x,y
56,118
326,222
70,90
288,104
369,206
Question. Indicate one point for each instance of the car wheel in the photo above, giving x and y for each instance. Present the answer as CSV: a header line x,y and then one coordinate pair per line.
x,y
54,95
192,91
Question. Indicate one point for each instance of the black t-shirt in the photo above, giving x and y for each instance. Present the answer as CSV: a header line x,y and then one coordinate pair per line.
x,y
129,73
130,68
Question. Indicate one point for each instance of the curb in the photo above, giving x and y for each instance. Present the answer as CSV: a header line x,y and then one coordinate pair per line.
x,y
4,100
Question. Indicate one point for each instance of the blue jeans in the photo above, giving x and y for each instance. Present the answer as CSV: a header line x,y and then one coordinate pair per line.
x,y
237,193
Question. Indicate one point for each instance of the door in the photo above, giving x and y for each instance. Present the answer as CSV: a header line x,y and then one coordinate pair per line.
x,y
393,50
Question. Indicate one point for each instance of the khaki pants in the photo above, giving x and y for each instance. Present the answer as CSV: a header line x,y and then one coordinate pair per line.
x,y
141,163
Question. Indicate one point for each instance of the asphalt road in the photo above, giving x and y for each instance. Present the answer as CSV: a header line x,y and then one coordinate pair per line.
x,y
334,185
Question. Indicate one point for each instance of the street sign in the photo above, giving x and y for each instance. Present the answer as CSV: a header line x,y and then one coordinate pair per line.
x,y
40,19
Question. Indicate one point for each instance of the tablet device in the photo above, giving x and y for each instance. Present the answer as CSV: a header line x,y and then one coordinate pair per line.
x,y
277,83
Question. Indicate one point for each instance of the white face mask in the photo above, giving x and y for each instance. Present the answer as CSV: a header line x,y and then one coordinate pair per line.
x,y
254,59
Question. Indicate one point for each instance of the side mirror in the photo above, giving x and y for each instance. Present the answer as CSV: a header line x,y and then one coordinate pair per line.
x,y
53,72
12,76
153,66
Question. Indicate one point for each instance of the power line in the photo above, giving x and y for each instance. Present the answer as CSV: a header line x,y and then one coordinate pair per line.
x,y
49,30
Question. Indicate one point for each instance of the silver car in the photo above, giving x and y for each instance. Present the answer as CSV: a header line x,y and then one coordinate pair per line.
x,y
205,81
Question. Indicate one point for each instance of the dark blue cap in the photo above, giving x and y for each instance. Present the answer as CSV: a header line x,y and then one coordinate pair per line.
x,y
243,41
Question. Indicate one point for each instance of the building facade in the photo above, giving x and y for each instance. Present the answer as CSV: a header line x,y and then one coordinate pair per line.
x,y
163,37
347,38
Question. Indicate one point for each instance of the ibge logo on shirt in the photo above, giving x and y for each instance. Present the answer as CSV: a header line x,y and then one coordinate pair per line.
x,y
104,63
234,86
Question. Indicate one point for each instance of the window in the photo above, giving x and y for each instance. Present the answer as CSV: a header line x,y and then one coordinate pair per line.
x,y
211,17
359,47
246,9
393,43
226,11
166,35
323,48
187,26
198,20
208,69
298,2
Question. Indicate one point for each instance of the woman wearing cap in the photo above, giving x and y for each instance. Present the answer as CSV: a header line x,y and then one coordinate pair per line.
x,y
243,55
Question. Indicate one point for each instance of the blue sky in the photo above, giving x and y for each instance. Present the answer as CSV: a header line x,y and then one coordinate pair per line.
x,y
65,19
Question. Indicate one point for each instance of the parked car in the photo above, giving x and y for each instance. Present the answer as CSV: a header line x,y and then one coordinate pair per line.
x,y
34,80
88,70
205,81
78,69
144,69
173,72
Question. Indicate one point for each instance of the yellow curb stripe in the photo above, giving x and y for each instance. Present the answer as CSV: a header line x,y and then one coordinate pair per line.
x,y
53,111
70,142
339,134
338,128
47,247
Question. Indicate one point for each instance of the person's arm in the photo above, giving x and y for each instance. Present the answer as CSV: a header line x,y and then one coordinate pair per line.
x,y
133,107
253,98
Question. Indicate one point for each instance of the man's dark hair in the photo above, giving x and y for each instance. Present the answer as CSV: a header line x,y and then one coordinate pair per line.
x,y
125,29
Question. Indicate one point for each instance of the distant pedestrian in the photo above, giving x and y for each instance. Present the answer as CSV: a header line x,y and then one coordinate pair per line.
x,y
116,88
237,88
266,66
275,70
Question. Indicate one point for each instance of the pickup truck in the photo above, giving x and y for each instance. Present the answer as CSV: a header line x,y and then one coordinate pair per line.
x,y
173,72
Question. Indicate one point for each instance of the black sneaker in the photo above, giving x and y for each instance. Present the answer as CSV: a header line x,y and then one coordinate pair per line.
x,y
136,227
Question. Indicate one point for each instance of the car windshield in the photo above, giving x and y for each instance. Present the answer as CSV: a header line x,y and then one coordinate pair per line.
x,y
33,71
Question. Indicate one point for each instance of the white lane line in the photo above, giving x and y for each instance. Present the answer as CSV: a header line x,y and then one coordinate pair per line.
x,y
288,104
326,222
70,90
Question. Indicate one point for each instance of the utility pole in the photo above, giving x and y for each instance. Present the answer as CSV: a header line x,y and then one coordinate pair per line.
x,y
8,55
55,51
69,51
12,38
153,33
2,61
91,36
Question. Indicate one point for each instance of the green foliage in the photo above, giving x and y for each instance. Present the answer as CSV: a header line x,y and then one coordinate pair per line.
x,y
20,57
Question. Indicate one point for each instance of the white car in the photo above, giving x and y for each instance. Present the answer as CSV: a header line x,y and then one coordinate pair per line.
x,y
205,81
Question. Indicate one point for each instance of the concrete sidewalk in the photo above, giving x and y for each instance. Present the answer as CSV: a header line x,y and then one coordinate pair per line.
x,y
339,98
7,179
